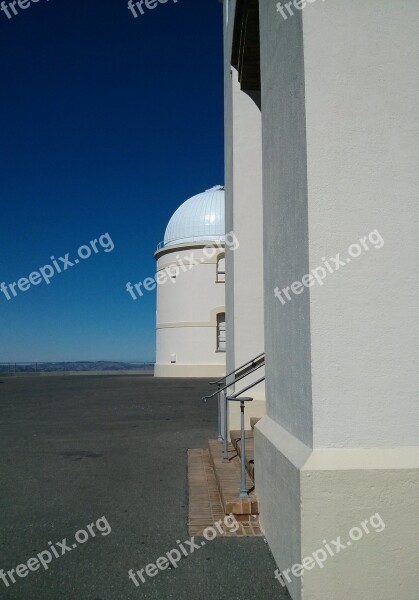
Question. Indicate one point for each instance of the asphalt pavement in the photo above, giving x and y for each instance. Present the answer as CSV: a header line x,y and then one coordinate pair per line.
x,y
109,452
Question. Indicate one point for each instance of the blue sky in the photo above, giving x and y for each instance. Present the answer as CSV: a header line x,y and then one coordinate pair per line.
x,y
107,123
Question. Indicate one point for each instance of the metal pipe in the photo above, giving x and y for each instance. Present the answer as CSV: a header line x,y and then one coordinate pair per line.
x,y
205,398
243,489
248,387
249,362
225,440
220,434
243,400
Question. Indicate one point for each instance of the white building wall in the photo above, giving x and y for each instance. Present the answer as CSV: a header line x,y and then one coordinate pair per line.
x,y
362,155
229,191
340,442
187,307
245,264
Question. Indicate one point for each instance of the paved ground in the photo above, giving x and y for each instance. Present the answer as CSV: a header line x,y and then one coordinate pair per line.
x,y
74,449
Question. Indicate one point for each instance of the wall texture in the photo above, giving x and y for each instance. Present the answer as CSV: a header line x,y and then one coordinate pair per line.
x,y
187,306
244,280
287,328
340,153
361,90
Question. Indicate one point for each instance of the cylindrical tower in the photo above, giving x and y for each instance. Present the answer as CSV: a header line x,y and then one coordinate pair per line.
x,y
190,295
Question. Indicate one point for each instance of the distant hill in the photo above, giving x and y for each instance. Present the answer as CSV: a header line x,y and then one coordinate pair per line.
x,y
50,367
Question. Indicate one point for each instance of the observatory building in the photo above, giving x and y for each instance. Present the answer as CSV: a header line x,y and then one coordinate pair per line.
x,y
190,336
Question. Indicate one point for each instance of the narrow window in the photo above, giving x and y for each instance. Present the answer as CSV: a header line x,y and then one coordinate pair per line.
x,y
221,332
221,268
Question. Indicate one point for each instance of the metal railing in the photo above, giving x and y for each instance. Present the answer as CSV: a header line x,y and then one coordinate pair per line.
x,y
222,384
237,396
209,239
248,364
248,387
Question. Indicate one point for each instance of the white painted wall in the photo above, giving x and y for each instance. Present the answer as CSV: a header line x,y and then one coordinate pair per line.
x,y
340,153
286,235
311,497
192,345
228,186
187,306
362,87
245,264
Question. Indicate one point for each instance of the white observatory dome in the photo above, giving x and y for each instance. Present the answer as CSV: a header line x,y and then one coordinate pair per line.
x,y
199,219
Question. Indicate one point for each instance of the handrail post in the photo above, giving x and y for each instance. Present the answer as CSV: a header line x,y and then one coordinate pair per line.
x,y
222,386
243,489
220,434
225,440
242,400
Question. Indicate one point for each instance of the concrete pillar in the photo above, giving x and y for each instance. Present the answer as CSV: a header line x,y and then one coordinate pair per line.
x,y
244,279
337,453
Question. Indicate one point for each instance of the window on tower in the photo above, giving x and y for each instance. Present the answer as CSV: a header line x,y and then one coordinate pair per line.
x,y
221,268
221,332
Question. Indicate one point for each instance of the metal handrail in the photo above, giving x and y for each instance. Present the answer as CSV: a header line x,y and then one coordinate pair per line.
x,y
205,398
223,430
249,362
243,489
248,387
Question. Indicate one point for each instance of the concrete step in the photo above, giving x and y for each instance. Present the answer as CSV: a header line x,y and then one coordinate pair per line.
x,y
205,506
253,421
228,481
235,437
